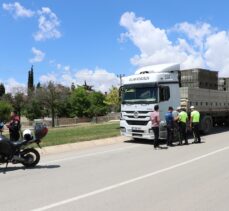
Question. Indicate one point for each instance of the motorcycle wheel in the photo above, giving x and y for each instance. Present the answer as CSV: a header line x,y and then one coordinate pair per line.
x,y
31,156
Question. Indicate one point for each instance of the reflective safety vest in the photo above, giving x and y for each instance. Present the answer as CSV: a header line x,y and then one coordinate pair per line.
x,y
195,116
183,116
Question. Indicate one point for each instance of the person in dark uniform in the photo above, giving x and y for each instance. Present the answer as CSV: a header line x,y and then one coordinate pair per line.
x,y
170,126
14,126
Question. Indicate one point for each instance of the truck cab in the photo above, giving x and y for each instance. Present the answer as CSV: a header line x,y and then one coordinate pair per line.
x,y
150,85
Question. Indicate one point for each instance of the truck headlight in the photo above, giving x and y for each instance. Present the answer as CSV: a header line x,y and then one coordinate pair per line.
x,y
123,129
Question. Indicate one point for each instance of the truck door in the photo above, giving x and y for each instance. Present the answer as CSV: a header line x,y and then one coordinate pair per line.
x,y
164,100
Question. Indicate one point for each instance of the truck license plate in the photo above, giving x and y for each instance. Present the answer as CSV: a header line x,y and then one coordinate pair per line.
x,y
136,128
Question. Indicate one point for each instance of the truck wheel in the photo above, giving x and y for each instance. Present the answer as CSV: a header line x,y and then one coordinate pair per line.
x,y
227,121
206,124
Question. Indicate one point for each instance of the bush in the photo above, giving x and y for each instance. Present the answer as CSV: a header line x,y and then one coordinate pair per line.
x,y
5,109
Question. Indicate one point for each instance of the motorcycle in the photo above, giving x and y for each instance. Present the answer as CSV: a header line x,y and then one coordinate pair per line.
x,y
21,151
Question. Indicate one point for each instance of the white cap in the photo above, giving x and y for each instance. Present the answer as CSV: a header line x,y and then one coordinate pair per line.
x,y
178,108
192,107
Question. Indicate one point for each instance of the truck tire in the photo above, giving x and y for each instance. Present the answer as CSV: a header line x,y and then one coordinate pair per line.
x,y
227,121
206,124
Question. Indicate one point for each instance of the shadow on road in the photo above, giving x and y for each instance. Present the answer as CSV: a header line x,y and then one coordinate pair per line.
x,y
215,130
148,142
219,129
15,168
162,143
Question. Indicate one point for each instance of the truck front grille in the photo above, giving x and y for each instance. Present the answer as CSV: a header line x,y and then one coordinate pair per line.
x,y
139,117
133,122
140,112
136,134
138,131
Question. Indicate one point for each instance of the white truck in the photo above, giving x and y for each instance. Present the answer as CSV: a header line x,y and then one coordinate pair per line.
x,y
159,84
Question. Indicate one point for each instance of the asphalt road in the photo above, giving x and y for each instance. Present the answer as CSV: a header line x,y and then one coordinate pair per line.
x,y
124,176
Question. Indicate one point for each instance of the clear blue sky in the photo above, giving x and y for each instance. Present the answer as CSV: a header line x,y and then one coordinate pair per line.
x,y
90,32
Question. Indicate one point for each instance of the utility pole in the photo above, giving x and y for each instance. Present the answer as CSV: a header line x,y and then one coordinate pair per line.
x,y
120,76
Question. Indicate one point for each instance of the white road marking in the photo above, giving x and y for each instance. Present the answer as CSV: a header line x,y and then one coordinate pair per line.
x,y
87,155
77,198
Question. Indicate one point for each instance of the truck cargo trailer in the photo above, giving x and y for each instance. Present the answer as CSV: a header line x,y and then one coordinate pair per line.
x,y
213,105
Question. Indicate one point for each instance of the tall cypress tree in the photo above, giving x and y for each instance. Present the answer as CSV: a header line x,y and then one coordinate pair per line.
x,y
30,80
2,89
38,85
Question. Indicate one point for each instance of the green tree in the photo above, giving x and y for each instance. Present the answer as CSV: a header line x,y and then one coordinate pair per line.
x,y
38,85
79,102
5,109
97,105
87,87
2,89
50,96
34,109
64,109
112,99
18,102
7,97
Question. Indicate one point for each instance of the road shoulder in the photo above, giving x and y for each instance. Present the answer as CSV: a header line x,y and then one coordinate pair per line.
x,y
82,145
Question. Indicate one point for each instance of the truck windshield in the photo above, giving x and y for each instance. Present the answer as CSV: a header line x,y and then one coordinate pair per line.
x,y
139,94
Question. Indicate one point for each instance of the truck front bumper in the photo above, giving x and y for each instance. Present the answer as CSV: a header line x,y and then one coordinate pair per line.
x,y
140,132
136,131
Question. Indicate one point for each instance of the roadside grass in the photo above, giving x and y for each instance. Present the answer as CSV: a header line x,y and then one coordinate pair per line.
x,y
80,133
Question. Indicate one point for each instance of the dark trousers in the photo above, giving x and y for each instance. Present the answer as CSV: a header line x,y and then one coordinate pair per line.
x,y
183,132
156,136
196,132
14,136
169,135
177,132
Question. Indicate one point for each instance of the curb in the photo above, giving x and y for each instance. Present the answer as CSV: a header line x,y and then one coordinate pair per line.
x,y
81,145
